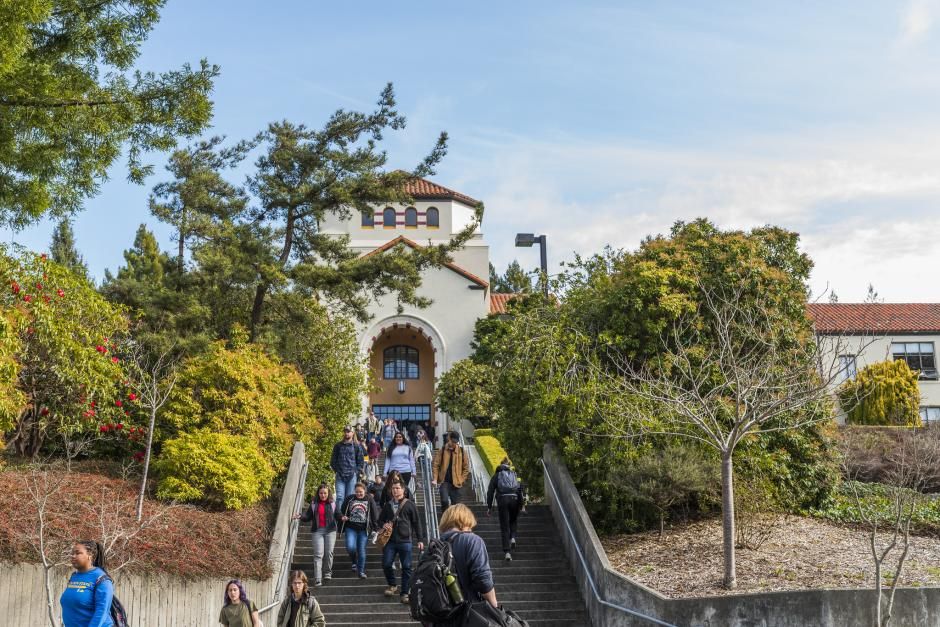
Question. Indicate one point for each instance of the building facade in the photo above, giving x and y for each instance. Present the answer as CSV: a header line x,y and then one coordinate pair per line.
x,y
409,350
865,333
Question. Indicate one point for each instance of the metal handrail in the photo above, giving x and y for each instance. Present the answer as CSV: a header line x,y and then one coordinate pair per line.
x,y
584,565
291,542
430,510
475,484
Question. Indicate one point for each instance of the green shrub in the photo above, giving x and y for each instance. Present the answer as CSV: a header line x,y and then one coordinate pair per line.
x,y
490,450
884,393
877,501
215,468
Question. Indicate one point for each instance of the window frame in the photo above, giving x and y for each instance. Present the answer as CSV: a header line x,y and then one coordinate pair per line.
x,y
368,220
404,413
398,358
437,218
915,360
385,214
411,216
847,372
924,411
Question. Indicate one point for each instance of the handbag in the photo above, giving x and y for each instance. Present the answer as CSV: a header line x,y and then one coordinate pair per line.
x,y
482,614
386,534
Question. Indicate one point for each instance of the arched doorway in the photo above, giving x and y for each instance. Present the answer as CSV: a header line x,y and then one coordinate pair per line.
x,y
403,357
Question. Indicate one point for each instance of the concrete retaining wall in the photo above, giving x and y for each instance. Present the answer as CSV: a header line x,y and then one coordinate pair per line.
x,y
914,607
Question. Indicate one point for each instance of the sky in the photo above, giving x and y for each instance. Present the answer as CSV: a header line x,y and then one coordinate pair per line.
x,y
600,123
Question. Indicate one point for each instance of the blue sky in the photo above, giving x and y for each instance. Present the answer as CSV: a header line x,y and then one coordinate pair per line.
x,y
602,122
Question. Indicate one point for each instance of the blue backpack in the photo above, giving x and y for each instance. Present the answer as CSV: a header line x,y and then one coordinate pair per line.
x,y
117,613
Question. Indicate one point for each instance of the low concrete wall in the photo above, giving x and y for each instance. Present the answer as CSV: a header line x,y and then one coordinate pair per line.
x,y
913,607
154,600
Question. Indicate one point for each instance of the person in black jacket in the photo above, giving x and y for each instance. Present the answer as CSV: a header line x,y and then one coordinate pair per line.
x,y
321,514
509,500
359,516
401,516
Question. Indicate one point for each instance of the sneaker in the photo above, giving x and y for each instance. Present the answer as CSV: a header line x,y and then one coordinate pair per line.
x,y
512,543
508,557
328,576
391,591
354,567
317,583
404,599
362,575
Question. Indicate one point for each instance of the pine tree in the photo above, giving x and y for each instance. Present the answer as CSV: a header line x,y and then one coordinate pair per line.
x,y
514,281
63,251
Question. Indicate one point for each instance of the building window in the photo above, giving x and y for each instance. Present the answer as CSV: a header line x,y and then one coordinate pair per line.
x,y
388,218
929,415
368,220
403,413
400,362
433,218
847,368
411,218
918,355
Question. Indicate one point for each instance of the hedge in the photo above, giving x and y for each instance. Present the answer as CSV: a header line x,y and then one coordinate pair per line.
x,y
489,448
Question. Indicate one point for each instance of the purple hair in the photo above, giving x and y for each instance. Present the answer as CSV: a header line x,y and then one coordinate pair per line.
x,y
242,596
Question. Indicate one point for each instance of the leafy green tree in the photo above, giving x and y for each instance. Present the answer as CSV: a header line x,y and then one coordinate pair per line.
x,y
514,281
883,393
465,392
69,101
63,250
69,373
306,175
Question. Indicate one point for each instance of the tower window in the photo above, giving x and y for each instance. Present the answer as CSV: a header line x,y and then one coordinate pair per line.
x,y
388,218
400,362
368,219
411,217
433,218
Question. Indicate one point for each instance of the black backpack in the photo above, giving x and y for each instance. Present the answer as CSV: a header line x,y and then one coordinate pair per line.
x,y
507,483
482,614
117,613
428,597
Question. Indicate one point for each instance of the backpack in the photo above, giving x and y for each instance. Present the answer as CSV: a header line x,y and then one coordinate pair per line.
x,y
482,614
429,601
117,613
506,483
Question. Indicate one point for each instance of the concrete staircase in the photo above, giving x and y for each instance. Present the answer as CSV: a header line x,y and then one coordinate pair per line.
x,y
537,583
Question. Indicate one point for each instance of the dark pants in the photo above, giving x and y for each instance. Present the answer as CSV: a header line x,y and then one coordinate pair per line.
x,y
508,507
449,495
402,550
406,478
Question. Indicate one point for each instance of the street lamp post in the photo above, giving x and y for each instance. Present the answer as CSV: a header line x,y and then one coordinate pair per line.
x,y
526,240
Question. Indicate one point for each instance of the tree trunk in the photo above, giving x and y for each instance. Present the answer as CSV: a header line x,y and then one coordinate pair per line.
x,y
256,309
143,480
727,516
262,291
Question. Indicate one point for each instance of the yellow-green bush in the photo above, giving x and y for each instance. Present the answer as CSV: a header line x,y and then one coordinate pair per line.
x,y
883,393
489,448
215,468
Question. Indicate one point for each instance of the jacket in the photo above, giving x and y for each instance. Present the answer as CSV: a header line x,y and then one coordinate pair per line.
x,y
471,563
311,515
309,614
409,527
372,513
460,471
491,490
346,460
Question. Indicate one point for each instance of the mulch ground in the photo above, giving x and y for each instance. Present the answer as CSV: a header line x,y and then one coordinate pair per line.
x,y
800,553
180,540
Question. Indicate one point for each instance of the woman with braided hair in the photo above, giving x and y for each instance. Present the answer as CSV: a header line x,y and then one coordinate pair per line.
x,y
86,601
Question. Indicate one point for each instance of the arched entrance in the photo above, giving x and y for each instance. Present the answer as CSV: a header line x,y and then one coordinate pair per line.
x,y
404,356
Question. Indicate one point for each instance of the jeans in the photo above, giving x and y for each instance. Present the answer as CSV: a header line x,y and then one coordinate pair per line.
x,y
449,495
508,507
356,547
344,487
403,551
323,542
386,442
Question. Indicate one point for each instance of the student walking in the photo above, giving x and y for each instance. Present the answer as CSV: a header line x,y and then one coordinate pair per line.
x,y
471,561
300,608
506,489
424,447
347,462
400,457
359,515
321,514
386,495
450,470
86,601
238,610
388,432
401,516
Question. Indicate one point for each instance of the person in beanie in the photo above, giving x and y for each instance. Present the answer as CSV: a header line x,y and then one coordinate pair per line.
x,y
347,462
508,503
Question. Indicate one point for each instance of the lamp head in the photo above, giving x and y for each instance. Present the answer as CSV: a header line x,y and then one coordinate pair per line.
x,y
525,240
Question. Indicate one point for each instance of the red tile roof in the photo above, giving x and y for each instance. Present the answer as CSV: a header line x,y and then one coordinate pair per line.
x,y
498,302
401,239
877,317
423,188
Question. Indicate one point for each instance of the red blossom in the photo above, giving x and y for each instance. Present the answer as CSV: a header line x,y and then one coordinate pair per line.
x,y
101,349
60,292
44,411
103,428
115,360
28,298
15,287
38,286
119,426
119,403
132,396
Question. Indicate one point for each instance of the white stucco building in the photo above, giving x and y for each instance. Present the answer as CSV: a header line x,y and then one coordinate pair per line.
x,y
408,351
864,333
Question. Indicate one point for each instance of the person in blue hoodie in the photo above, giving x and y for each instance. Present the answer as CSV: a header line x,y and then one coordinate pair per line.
x,y
86,601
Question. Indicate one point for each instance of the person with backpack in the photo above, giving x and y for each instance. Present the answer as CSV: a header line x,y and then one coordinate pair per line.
x,y
300,608
506,489
238,610
471,560
400,515
388,432
348,462
321,514
400,457
86,601
359,515
450,470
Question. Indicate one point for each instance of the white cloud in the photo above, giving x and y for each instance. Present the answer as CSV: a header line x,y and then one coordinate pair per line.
x,y
917,20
